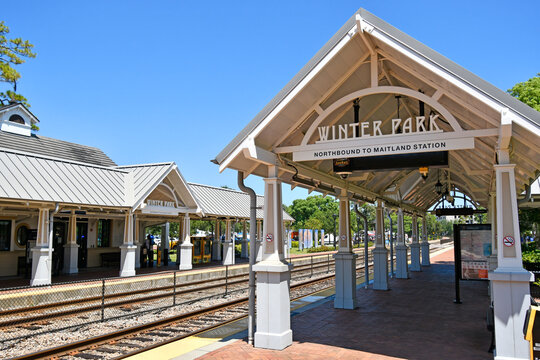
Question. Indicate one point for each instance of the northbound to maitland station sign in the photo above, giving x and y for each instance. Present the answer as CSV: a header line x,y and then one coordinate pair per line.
x,y
417,135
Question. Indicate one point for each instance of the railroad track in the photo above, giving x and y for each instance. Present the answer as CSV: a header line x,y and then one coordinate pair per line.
x,y
127,342
37,314
136,339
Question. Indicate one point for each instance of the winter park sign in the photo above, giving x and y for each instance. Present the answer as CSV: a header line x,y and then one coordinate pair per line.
x,y
413,135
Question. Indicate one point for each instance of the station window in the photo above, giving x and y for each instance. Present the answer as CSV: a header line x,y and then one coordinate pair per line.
x,y
16,119
22,235
104,233
5,235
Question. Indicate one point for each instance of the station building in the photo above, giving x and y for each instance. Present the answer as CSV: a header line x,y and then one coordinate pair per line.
x,y
376,116
65,206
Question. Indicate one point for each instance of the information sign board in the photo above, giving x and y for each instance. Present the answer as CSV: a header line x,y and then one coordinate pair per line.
x,y
474,248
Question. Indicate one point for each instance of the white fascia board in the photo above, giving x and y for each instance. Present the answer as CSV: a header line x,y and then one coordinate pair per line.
x,y
505,129
259,154
452,78
152,187
22,108
188,189
524,123
305,81
435,68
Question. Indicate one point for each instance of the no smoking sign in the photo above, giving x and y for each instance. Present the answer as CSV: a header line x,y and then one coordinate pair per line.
x,y
508,241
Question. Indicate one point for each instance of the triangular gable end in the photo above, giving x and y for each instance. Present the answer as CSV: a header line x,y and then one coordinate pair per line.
x,y
160,189
371,62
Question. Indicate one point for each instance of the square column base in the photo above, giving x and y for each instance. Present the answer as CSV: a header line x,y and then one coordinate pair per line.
x,y
245,254
345,281
425,253
402,268
273,305
71,258
259,250
492,262
127,260
186,256
216,250
228,253
415,257
380,268
41,267
511,299
138,256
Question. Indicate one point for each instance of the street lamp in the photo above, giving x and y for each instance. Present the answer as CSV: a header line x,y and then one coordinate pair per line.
x,y
334,216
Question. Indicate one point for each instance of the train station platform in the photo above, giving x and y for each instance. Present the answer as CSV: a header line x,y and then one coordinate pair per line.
x,y
98,273
416,319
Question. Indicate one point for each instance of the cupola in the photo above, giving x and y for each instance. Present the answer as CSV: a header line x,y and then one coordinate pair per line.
x,y
17,119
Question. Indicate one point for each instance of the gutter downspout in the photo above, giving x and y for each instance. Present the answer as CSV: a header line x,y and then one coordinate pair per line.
x,y
252,253
527,197
366,240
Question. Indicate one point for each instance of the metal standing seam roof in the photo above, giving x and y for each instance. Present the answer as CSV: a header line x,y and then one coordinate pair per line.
x,y
145,176
44,146
423,50
224,202
30,177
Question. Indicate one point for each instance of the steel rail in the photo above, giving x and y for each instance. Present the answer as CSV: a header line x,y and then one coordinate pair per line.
x,y
79,310
72,348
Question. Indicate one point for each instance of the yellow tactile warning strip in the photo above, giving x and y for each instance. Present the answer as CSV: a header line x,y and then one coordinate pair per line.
x,y
195,346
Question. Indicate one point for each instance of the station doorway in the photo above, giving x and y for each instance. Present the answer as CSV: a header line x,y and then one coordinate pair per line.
x,y
82,241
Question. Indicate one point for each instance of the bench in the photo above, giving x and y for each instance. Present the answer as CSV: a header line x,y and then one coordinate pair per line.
x,y
110,258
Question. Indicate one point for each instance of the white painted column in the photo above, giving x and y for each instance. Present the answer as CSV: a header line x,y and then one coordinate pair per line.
x,y
425,244
380,253
510,282
71,249
138,243
492,213
42,252
186,247
273,274
402,268
245,253
286,241
128,249
345,259
228,244
259,241
415,246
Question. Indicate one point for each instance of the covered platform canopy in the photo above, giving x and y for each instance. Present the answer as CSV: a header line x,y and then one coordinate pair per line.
x,y
65,206
377,116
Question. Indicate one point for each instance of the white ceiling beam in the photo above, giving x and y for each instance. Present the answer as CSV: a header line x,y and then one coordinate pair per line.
x,y
382,90
463,102
439,92
317,107
374,70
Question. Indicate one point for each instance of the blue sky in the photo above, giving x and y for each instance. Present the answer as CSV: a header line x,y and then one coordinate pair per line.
x,y
176,81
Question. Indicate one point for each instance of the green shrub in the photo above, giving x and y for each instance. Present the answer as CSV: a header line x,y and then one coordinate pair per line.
x,y
320,249
294,244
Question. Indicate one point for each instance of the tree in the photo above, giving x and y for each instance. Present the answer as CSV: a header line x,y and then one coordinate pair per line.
x,y
12,53
314,212
528,92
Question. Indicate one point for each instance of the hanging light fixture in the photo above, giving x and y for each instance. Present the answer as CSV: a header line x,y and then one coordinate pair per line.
x,y
438,185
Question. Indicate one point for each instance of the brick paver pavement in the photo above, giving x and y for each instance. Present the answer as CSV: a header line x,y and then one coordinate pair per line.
x,y
416,319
